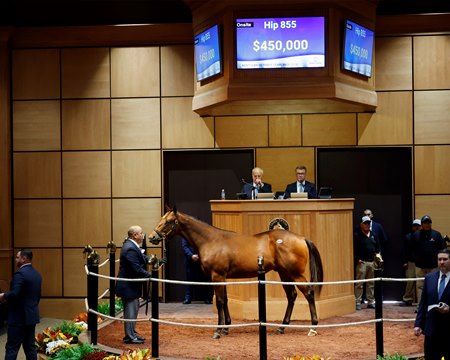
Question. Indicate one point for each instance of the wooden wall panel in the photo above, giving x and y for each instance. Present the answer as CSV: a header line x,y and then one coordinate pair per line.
x,y
86,124
49,263
136,173
135,123
37,223
36,125
177,70
431,65
85,73
61,308
135,71
329,129
285,130
432,169
431,117
279,165
127,212
242,131
37,175
183,128
36,74
86,221
391,124
86,174
394,63
438,207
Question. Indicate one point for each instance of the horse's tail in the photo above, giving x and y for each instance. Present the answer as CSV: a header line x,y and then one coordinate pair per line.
x,y
315,266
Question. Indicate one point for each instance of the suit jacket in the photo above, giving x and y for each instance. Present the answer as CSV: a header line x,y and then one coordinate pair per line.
x,y
432,322
24,296
378,229
309,187
132,266
247,188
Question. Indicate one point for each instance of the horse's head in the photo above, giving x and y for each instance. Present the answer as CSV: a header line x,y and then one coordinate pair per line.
x,y
167,227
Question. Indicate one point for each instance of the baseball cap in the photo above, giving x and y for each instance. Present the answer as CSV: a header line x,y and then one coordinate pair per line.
x,y
426,218
365,219
417,222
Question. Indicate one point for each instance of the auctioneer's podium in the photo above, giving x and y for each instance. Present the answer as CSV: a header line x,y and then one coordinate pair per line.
x,y
327,222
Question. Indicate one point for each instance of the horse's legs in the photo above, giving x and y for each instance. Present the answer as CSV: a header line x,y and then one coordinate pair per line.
x,y
291,295
220,301
308,292
226,312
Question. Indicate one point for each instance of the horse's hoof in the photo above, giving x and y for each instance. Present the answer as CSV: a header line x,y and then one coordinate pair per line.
x,y
216,335
280,331
312,332
225,331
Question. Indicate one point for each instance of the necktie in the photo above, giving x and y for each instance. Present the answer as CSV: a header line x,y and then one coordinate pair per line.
x,y
441,286
300,187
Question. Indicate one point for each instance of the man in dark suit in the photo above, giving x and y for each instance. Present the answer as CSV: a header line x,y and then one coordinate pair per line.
x,y
257,185
132,266
431,321
301,185
378,229
23,311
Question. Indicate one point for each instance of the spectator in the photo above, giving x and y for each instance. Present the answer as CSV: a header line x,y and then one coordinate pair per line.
x,y
365,246
377,229
301,185
409,259
23,311
194,273
433,315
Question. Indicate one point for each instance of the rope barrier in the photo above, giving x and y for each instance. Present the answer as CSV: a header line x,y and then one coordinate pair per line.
x,y
104,293
104,263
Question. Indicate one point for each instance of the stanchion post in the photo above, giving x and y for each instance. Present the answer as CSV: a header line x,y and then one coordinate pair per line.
x,y
262,309
155,312
93,261
111,247
379,312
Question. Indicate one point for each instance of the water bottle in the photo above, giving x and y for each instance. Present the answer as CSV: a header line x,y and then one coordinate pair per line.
x,y
222,194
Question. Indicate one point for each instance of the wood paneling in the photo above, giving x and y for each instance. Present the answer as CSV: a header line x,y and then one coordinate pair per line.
x,y
285,130
37,175
183,128
177,70
431,65
432,169
242,131
438,207
279,165
86,124
86,221
86,174
85,73
391,124
127,212
135,123
329,129
48,263
136,173
36,74
431,117
36,125
37,223
135,72
394,63
63,308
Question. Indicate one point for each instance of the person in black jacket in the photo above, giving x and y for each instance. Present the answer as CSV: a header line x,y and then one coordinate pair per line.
x,y
23,311
301,185
426,244
365,246
133,265
257,185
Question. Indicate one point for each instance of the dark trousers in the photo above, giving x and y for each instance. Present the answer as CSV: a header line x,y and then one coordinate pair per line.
x,y
21,335
436,347
195,273
130,311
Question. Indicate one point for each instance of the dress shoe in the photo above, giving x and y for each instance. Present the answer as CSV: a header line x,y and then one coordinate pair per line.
x,y
371,306
139,337
186,301
133,341
358,306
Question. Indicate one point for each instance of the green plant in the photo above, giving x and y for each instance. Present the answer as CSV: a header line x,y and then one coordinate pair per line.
x,y
74,353
213,358
70,328
103,307
392,357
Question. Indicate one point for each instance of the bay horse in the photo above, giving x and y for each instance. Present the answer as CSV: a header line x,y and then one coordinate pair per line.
x,y
228,255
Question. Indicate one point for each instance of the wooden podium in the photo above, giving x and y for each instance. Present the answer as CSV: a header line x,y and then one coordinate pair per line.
x,y
327,222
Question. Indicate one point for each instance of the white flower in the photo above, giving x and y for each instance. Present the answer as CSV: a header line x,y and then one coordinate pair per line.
x,y
52,346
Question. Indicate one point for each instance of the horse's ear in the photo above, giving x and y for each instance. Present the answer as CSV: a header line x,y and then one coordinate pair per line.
x,y
167,208
174,209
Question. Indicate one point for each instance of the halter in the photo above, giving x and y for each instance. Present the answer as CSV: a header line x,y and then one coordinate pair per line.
x,y
161,235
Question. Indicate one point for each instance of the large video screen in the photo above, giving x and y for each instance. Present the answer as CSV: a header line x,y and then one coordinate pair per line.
x,y
290,42
207,53
358,46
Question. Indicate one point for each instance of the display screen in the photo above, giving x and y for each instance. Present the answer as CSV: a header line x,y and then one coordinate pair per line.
x,y
358,46
291,42
207,53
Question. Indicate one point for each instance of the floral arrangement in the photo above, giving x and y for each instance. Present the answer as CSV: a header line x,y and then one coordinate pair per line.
x,y
137,354
52,340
